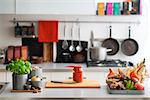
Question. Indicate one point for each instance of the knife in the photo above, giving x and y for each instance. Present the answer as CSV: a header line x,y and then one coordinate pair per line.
x,y
63,82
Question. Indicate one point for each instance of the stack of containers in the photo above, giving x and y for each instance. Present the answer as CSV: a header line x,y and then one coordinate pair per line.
x,y
128,7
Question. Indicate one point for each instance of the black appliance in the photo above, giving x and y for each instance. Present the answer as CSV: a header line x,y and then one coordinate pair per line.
x,y
66,56
35,48
109,63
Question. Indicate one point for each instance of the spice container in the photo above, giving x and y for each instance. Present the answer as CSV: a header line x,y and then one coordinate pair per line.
x,y
77,73
101,8
109,8
116,10
126,8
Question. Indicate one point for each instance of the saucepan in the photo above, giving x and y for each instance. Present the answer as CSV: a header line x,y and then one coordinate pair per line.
x,y
98,53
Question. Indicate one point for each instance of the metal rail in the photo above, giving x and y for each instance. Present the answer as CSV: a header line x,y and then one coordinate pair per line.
x,y
81,21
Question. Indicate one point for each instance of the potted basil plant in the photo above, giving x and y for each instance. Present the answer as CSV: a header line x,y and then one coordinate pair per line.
x,y
20,70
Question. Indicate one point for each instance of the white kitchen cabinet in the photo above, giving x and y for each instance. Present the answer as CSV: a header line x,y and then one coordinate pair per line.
x,y
7,6
9,77
5,76
2,77
79,7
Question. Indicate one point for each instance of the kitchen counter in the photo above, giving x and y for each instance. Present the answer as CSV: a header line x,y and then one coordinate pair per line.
x,y
50,66
61,67
96,73
80,93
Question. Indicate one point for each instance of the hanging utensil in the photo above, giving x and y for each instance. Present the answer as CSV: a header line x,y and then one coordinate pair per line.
x,y
79,47
72,48
92,39
65,43
129,46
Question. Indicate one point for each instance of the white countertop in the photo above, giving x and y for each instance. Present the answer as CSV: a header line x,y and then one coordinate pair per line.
x,y
50,66
61,67
82,93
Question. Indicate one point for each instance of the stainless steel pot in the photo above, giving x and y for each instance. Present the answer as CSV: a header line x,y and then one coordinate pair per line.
x,y
98,53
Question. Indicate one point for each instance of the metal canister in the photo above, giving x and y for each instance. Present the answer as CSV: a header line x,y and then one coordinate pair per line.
x,y
101,8
126,8
116,9
109,8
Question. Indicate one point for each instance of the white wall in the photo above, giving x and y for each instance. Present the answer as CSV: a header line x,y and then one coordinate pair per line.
x,y
7,32
139,32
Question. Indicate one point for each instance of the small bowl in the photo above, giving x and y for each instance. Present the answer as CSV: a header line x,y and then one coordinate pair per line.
x,y
36,83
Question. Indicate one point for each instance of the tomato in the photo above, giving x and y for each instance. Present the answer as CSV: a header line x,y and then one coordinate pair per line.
x,y
139,86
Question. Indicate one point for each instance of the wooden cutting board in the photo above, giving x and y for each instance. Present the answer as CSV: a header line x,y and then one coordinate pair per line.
x,y
17,52
72,84
48,52
24,52
10,53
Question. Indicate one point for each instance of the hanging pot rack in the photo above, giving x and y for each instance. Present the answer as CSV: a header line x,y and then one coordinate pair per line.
x,y
79,21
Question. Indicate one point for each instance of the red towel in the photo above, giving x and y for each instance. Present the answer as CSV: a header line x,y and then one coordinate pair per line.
x,y
48,31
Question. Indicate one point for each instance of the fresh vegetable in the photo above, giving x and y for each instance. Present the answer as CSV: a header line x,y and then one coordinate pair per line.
x,y
111,73
132,87
141,70
139,86
130,79
133,74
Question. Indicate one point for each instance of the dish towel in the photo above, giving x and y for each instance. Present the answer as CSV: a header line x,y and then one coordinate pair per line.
x,y
48,31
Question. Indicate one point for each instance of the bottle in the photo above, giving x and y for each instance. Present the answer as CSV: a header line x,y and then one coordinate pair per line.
x,y
77,74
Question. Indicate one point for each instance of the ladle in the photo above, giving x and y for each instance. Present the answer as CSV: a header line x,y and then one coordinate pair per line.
x,y
79,47
72,48
65,43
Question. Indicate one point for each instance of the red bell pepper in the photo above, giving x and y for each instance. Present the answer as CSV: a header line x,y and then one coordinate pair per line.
x,y
134,75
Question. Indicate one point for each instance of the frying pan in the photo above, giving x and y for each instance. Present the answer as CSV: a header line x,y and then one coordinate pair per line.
x,y
129,46
111,43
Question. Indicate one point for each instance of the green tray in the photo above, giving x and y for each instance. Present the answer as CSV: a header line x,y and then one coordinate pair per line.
x,y
125,91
